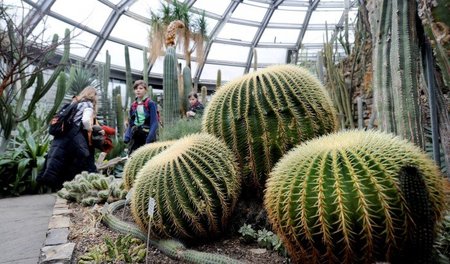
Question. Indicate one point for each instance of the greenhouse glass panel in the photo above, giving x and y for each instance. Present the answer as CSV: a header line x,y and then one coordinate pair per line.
x,y
130,29
278,35
226,52
87,12
316,36
249,12
271,55
237,32
228,72
158,66
218,7
143,7
285,16
117,53
332,17
16,10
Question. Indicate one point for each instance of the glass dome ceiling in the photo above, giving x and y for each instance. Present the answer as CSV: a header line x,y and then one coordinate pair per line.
x,y
281,31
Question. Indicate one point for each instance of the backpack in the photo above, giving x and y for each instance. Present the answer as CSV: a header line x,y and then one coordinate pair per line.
x,y
62,122
147,101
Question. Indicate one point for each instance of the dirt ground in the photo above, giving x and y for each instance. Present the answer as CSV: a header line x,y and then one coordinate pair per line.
x,y
87,231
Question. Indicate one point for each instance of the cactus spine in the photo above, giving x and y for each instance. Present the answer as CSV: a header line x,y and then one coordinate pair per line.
x,y
139,158
195,185
356,196
263,114
170,87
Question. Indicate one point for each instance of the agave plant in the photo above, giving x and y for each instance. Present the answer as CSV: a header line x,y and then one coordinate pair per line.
x,y
354,197
195,187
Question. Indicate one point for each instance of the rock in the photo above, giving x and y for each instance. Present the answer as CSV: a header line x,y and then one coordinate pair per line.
x,y
258,250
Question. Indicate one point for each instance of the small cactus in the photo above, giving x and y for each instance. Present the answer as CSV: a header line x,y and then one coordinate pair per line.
x,y
195,186
263,114
354,197
139,158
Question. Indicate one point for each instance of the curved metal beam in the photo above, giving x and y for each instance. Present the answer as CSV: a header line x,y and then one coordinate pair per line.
x,y
260,31
311,8
226,16
107,29
35,15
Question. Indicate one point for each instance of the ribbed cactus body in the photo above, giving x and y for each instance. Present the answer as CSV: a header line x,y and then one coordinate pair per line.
x,y
170,88
187,87
263,114
355,197
139,158
195,185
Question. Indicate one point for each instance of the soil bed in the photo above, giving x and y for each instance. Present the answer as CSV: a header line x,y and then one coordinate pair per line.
x,y
88,231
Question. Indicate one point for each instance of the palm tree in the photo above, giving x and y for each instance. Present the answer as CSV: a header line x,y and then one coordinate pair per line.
x,y
194,30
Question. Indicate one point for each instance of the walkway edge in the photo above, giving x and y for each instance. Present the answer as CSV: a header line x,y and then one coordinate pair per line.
x,y
56,248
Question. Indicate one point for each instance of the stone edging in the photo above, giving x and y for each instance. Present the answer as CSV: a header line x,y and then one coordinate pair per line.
x,y
56,248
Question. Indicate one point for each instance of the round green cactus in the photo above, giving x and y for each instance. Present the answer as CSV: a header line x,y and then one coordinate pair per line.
x,y
262,115
138,159
354,197
195,187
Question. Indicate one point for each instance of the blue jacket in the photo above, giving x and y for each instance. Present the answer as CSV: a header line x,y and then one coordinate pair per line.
x,y
151,120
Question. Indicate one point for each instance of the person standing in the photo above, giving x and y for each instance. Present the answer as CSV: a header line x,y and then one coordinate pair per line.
x,y
196,108
71,153
142,120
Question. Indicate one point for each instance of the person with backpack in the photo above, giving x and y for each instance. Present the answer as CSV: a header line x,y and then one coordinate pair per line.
x,y
142,120
70,152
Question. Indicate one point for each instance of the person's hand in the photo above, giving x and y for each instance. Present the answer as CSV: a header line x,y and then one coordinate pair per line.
x,y
190,113
102,132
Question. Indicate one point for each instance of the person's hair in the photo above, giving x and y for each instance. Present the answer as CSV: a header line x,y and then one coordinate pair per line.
x,y
140,82
193,95
90,94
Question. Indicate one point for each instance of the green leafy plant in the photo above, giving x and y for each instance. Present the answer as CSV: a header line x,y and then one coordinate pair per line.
x,y
24,158
124,248
264,238
180,128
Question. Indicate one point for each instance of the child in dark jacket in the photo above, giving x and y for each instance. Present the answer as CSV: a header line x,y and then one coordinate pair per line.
x,y
143,119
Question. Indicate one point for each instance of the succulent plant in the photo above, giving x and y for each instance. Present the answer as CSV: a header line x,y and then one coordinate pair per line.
x,y
139,158
356,196
195,187
171,109
263,114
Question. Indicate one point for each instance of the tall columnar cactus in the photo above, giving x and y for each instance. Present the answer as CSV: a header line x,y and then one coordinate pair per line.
x,y
139,158
119,115
145,72
395,83
104,73
265,113
204,94
354,197
129,94
255,60
170,88
218,79
195,186
187,87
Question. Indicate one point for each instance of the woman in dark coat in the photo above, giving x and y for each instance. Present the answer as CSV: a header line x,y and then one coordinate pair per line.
x,y
71,153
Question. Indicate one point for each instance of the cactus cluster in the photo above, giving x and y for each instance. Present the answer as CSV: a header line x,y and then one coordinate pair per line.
x,y
356,196
92,188
195,187
263,114
139,158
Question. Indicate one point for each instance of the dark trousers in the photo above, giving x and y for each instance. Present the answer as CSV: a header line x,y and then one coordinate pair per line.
x,y
137,140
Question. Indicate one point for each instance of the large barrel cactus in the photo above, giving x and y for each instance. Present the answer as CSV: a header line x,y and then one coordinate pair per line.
x,y
139,158
195,185
355,197
263,114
